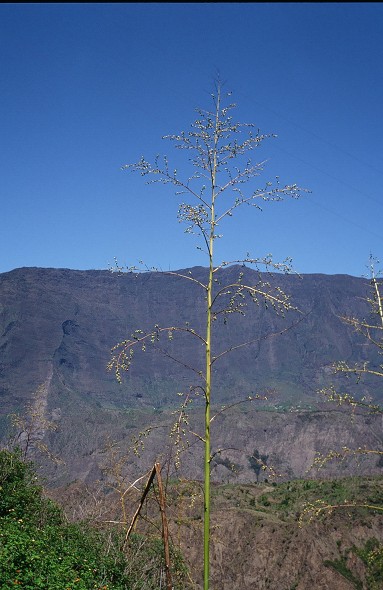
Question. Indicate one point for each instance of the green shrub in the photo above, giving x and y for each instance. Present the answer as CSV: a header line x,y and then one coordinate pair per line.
x,y
372,556
39,550
264,500
340,566
20,495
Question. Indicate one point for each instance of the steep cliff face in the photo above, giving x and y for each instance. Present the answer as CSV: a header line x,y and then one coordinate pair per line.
x,y
69,320
57,327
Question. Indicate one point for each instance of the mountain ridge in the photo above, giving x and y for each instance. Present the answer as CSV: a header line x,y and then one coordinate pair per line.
x,y
57,327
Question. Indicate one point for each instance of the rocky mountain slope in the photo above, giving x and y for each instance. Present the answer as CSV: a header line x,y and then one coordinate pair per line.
x,y
57,327
264,535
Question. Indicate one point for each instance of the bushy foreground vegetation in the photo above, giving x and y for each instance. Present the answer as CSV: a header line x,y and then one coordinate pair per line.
x,y
39,549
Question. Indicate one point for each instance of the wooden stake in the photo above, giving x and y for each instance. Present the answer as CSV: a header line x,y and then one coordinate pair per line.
x,y
137,512
155,472
165,531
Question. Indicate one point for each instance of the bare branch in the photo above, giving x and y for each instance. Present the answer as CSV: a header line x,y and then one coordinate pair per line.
x,y
249,398
258,339
122,360
315,509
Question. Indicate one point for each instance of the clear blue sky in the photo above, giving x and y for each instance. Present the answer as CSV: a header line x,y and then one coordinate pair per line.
x,y
86,88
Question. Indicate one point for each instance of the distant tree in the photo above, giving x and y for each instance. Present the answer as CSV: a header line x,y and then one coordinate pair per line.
x,y
221,180
258,462
28,429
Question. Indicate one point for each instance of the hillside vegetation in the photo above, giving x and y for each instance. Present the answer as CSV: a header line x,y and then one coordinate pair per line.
x,y
265,536
41,549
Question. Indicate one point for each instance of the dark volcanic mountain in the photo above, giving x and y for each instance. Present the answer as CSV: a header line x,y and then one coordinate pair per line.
x,y
57,327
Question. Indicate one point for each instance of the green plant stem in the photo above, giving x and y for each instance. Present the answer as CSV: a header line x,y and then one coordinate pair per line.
x,y
209,302
206,524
